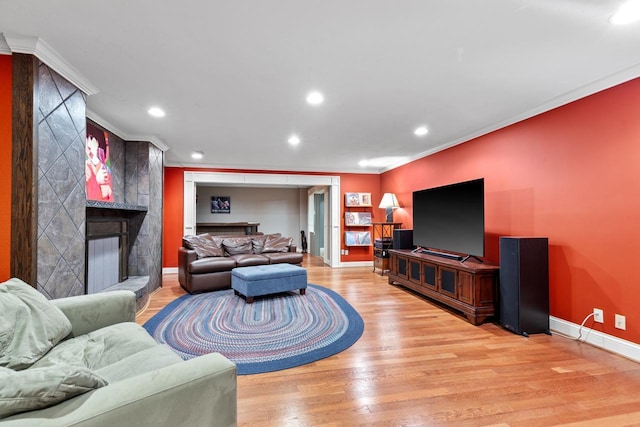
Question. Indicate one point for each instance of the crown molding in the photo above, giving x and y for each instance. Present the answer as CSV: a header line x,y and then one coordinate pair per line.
x,y
125,135
588,89
39,48
4,47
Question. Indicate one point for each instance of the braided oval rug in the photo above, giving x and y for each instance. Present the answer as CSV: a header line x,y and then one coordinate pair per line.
x,y
275,332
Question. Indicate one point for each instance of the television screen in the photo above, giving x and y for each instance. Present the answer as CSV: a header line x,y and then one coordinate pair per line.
x,y
450,218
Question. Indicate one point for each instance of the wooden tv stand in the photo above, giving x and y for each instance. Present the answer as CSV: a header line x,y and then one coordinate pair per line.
x,y
470,287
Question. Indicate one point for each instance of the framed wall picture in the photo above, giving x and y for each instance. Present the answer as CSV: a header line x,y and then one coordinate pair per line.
x,y
357,218
220,204
98,165
357,199
357,238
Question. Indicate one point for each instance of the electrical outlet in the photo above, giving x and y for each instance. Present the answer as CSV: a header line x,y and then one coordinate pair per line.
x,y
621,322
598,315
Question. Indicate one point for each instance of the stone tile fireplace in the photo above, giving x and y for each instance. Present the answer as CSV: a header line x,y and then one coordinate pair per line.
x,y
67,222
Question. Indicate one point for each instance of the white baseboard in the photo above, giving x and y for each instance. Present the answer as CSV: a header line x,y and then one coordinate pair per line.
x,y
357,264
607,342
170,270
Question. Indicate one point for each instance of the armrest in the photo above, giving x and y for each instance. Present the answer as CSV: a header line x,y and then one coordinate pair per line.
x,y
185,258
91,312
293,248
196,392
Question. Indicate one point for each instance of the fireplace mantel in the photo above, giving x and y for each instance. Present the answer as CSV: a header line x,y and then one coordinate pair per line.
x,y
116,206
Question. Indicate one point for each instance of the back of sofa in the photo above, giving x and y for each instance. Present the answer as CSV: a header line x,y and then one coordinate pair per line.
x,y
207,245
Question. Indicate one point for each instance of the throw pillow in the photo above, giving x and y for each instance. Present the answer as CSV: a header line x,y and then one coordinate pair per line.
x,y
204,245
277,244
38,388
257,243
30,325
237,245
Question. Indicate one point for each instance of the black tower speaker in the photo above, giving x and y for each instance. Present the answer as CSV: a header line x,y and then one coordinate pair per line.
x,y
402,239
524,284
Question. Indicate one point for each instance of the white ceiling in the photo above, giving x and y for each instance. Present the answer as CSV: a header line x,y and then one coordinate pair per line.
x,y
232,76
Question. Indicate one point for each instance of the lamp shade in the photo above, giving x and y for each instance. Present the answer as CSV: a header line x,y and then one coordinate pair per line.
x,y
389,202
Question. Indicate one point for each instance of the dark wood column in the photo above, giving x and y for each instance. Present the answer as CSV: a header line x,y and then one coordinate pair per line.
x,y
24,188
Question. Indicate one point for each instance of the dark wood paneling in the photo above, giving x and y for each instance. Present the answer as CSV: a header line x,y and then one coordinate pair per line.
x,y
24,205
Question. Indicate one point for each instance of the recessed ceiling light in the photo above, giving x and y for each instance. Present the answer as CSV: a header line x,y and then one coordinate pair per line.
x,y
421,131
294,140
627,13
156,112
198,155
315,98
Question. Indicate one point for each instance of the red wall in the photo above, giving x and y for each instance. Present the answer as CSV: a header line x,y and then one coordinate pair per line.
x,y
173,221
572,175
174,208
5,166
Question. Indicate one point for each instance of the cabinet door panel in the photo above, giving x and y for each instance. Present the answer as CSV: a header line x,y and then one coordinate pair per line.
x,y
402,267
415,271
448,282
465,287
429,275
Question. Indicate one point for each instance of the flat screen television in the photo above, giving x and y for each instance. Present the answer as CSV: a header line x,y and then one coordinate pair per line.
x,y
450,219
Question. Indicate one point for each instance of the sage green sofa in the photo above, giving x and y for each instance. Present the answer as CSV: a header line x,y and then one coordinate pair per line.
x,y
83,361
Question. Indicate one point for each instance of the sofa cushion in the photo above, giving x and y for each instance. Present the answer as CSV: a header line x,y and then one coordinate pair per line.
x,y
244,260
238,245
37,388
30,325
211,265
99,348
284,257
277,243
146,360
205,245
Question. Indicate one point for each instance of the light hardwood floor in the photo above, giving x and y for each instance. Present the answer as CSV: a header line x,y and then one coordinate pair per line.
x,y
418,364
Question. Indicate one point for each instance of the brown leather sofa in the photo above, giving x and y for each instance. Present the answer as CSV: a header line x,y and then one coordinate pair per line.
x,y
205,261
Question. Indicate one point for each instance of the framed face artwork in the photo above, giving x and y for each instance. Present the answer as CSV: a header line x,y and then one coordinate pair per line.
x,y
99,184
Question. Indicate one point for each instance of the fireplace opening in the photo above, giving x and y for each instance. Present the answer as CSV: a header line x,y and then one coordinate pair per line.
x,y
107,253
111,231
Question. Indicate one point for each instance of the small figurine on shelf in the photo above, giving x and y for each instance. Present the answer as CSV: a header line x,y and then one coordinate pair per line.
x,y
303,239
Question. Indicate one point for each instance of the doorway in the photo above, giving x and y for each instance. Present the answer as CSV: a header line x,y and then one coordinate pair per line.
x,y
318,221
331,204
